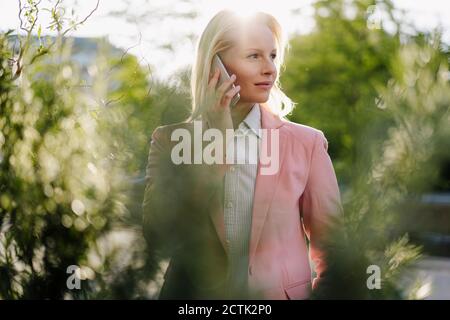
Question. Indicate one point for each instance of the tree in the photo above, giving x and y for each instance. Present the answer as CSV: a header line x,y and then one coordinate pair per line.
x,y
334,73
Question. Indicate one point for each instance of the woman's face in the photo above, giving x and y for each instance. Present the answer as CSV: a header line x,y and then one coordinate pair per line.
x,y
251,59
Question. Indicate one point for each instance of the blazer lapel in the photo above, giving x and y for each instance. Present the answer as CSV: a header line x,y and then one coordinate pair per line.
x,y
264,189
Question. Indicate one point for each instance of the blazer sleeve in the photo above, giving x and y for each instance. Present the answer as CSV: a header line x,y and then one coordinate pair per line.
x,y
320,203
154,223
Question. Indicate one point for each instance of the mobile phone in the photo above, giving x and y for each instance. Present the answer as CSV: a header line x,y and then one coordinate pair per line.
x,y
224,76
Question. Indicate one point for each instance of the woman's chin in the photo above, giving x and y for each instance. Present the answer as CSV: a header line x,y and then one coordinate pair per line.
x,y
256,98
260,98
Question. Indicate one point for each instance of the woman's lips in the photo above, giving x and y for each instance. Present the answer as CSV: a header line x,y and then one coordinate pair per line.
x,y
264,86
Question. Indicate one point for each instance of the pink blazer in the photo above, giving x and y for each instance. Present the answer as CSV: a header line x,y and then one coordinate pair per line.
x,y
300,199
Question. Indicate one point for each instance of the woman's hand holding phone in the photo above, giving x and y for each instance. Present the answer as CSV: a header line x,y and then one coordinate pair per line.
x,y
216,114
217,104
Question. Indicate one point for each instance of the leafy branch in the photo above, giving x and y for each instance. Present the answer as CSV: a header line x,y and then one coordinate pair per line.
x,y
30,11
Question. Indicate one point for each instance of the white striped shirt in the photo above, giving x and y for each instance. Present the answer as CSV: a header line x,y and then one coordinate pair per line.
x,y
239,187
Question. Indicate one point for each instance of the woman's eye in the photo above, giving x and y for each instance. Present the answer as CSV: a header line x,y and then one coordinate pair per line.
x,y
255,55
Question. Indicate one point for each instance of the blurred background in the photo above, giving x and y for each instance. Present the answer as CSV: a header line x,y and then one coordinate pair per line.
x,y
83,84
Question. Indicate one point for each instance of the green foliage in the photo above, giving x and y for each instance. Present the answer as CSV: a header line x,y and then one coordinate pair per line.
x,y
73,150
59,191
378,206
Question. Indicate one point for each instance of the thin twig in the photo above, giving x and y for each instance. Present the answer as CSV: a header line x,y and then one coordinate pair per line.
x,y
124,54
82,21
24,48
20,16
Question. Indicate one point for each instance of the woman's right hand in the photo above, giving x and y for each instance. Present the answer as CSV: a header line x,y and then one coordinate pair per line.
x,y
217,103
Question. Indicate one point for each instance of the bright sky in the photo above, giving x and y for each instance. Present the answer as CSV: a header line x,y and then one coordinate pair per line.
x,y
156,33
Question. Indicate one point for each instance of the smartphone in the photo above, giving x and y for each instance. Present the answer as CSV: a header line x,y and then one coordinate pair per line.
x,y
224,76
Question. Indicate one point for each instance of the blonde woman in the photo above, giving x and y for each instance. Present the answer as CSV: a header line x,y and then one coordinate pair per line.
x,y
232,230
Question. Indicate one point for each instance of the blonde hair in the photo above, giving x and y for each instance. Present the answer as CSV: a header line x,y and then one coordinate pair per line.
x,y
214,39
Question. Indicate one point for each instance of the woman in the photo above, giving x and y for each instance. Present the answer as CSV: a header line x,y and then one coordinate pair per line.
x,y
235,230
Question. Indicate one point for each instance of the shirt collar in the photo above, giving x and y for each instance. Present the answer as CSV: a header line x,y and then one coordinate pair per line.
x,y
252,121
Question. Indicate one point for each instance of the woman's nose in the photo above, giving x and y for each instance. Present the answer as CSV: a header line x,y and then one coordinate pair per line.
x,y
269,67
